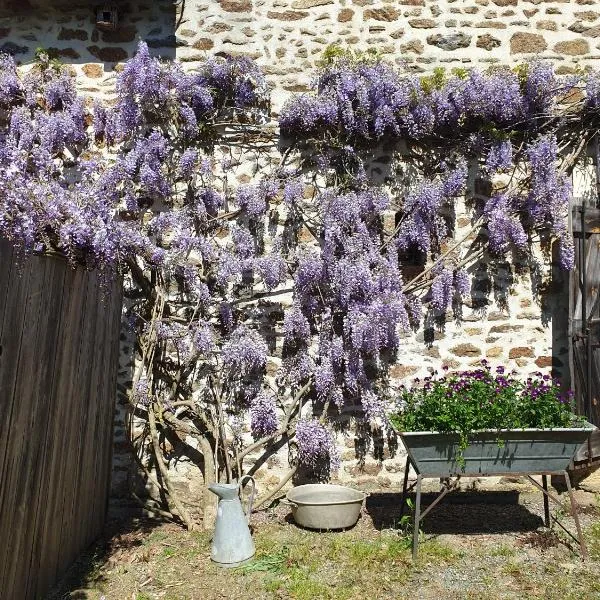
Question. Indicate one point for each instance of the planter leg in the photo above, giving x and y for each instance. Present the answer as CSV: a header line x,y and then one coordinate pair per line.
x,y
584,552
546,501
403,500
417,519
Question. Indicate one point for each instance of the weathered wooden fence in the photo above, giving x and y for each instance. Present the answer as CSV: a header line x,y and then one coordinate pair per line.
x,y
58,367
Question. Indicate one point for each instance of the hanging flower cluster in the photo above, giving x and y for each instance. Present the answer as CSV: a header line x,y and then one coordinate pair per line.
x,y
316,446
364,101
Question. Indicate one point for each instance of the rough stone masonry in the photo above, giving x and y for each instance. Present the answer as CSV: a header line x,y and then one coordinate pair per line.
x,y
287,38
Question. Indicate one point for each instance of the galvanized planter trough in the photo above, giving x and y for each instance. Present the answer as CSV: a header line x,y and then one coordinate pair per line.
x,y
524,452
493,452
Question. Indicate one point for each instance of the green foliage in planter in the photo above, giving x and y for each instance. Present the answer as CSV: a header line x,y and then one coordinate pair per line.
x,y
470,401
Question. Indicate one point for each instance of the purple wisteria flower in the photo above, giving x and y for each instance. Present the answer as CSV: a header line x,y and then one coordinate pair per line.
x,y
272,269
245,352
316,445
462,283
203,337
442,289
187,162
263,415
296,325
505,229
11,89
499,157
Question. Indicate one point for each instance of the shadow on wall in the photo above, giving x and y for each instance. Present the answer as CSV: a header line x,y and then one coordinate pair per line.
x,y
69,29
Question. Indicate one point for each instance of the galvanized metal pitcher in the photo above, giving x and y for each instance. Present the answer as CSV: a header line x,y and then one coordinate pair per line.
x,y
232,543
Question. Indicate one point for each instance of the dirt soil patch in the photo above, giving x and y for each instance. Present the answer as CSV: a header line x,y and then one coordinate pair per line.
x,y
479,543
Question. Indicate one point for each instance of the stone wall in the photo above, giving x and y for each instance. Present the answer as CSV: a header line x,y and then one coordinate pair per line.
x,y
287,38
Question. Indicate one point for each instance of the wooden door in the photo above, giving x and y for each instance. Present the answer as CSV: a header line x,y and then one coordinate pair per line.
x,y
585,319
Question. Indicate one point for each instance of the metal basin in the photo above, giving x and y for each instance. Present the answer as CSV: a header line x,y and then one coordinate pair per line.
x,y
325,506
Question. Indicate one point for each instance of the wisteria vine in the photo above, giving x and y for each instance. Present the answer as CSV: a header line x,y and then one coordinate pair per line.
x,y
281,293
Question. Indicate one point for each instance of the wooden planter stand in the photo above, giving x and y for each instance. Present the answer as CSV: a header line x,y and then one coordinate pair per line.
x,y
524,452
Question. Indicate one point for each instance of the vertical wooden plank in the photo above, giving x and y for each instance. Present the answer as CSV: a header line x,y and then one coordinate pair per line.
x,y
109,319
91,350
77,399
12,428
7,271
24,427
11,322
113,379
58,469
55,286
109,382
35,391
96,461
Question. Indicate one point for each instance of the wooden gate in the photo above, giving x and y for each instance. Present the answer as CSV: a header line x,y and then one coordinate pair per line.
x,y
58,365
585,319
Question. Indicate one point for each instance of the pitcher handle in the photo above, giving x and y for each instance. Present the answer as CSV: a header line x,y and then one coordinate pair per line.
x,y
252,494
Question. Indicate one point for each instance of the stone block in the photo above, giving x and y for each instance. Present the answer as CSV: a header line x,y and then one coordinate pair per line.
x,y
587,15
527,43
12,48
494,352
345,15
487,42
572,47
203,44
93,70
521,352
109,54
467,350
402,371
449,42
422,23
64,53
219,28
366,468
304,4
394,466
414,46
236,5
384,482
490,25
120,35
287,15
386,13
72,34
543,362
506,328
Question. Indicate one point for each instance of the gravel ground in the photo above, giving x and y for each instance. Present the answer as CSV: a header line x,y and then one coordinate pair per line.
x,y
485,542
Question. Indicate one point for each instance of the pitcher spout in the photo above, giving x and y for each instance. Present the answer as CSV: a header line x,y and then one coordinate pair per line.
x,y
225,491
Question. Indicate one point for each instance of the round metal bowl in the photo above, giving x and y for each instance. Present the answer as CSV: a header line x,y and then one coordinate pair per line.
x,y
324,506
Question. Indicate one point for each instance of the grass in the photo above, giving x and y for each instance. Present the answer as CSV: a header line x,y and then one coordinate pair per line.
x,y
337,566
270,563
594,541
165,562
503,550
